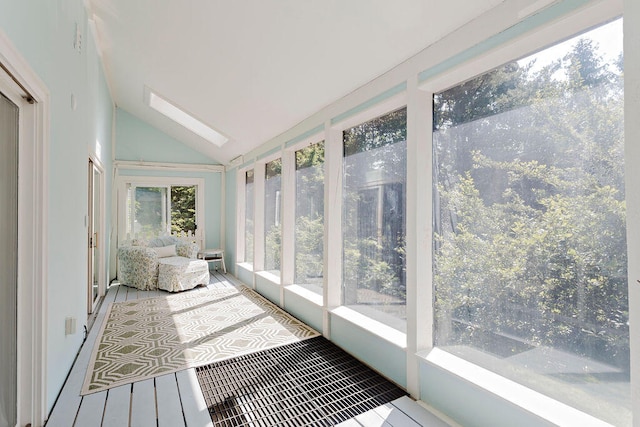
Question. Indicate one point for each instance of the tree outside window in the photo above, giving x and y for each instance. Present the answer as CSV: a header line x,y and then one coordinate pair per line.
x,y
374,219
309,232
530,265
272,216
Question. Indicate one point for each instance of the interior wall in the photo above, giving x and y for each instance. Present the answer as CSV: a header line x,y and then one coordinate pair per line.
x,y
138,141
81,116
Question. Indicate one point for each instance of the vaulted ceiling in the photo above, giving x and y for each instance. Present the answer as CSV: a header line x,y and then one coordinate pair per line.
x,y
252,69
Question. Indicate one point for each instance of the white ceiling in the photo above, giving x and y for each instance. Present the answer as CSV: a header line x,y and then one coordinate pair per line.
x,y
252,69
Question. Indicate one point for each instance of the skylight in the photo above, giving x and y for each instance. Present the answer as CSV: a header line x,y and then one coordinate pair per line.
x,y
180,116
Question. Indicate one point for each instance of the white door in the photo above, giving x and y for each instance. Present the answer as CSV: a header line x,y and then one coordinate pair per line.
x,y
24,160
9,131
94,237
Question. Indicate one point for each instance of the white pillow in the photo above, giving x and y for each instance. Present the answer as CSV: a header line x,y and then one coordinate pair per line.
x,y
166,251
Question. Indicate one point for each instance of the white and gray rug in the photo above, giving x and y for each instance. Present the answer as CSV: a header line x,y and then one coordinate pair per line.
x,y
150,337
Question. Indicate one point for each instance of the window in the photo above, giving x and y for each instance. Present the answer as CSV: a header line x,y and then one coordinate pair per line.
x,y
248,216
272,226
374,218
530,265
156,210
309,230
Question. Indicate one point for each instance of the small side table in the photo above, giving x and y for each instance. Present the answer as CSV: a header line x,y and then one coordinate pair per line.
x,y
213,255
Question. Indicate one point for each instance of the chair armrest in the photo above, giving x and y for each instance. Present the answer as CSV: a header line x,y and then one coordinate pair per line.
x,y
138,267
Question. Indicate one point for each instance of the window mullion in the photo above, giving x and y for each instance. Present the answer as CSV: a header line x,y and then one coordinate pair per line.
x,y
241,206
419,232
288,217
332,289
258,217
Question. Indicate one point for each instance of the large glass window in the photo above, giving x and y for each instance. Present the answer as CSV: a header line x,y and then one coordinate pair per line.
x,y
248,216
272,226
309,232
374,218
157,210
530,265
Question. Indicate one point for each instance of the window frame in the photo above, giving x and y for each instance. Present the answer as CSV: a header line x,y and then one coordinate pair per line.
x,y
162,181
504,33
334,158
263,198
289,181
539,39
241,209
259,179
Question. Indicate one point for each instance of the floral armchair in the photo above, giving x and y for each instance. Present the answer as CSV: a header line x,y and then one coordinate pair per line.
x,y
138,260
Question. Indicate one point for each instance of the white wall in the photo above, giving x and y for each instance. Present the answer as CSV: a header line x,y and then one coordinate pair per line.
x,y
137,141
81,122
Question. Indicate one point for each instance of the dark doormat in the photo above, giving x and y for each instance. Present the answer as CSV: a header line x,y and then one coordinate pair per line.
x,y
311,382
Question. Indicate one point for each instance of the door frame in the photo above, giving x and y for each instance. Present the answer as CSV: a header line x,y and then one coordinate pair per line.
x,y
33,196
99,228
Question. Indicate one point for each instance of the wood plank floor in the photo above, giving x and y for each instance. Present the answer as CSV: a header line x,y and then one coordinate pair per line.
x,y
169,400
176,400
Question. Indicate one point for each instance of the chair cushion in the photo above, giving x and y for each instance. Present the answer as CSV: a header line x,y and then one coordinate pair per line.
x,y
180,273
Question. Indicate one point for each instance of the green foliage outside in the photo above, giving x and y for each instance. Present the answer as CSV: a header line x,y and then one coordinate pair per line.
x,y
248,217
309,232
183,209
272,216
150,213
530,211
273,244
153,207
374,214
309,249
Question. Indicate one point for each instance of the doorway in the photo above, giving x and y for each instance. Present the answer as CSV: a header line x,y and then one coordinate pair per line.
x,y
24,160
94,236
9,131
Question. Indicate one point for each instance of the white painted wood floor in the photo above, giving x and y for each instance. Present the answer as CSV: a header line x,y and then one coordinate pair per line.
x,y
175,400
171,400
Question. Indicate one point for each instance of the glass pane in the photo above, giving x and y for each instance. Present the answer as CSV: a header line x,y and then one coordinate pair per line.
x,y
149,208
530,265
310,217
183,209
374,218
272,228
248,217
8,260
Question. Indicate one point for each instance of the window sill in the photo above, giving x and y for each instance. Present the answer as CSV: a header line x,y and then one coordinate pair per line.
x,y
269,277
379,329
536,403
245,265
305,293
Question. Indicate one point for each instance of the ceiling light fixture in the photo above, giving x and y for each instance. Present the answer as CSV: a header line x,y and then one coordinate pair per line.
x,y
180,116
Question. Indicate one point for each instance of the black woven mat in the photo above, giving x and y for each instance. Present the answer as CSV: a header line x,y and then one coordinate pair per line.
x,y
311,382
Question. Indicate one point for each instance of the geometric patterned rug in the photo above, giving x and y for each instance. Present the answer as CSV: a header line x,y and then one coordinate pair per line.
x,y
145,338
